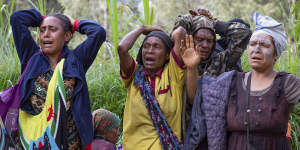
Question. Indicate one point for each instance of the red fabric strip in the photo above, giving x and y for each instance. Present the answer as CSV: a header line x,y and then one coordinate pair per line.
x,y
76,25
177,60
88,147
131,72
59,56
164,90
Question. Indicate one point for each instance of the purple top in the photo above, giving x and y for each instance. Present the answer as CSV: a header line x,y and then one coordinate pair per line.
x,y
100,144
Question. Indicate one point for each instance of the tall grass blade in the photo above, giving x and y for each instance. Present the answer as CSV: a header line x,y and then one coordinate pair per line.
x,y
113,17
146,12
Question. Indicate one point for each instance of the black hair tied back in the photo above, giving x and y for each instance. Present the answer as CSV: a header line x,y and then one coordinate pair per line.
x,y
65,22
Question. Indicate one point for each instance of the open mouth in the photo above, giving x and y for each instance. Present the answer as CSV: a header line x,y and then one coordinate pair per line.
x,y
47,43
149,60
256,58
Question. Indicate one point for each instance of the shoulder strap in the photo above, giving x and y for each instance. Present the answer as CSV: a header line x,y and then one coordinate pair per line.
x,y
248,109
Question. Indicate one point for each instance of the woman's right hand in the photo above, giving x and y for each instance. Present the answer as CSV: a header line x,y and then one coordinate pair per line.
x,y
148,29
189,53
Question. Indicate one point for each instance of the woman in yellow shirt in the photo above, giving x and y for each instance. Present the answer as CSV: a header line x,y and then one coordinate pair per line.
x,y
152,114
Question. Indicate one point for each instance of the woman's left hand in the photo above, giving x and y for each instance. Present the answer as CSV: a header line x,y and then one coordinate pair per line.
x,y
189,54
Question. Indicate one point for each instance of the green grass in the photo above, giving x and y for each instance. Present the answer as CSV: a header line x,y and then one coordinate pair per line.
x,y
9,63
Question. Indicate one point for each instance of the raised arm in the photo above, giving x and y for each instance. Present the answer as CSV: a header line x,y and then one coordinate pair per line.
x,y
191,58
20,22
126,44
96,35
238,34
177,36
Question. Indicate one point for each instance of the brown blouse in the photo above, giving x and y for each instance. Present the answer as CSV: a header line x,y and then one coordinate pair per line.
x,y
269,114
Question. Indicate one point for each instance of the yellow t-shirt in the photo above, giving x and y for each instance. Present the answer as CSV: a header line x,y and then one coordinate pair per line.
x,y
139,130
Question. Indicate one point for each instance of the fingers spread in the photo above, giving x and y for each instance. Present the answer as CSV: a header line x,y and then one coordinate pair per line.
x,y
197,50
191,41
187,41
182,47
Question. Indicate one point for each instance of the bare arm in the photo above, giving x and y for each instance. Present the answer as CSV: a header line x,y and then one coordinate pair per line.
x,y
191,83
191,59
177,36
126,44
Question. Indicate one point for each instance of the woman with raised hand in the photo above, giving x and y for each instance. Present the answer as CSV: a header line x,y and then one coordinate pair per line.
x,y
152,114
250,110
55,107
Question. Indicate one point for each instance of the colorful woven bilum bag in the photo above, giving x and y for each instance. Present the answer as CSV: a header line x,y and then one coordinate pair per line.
x,y
39,131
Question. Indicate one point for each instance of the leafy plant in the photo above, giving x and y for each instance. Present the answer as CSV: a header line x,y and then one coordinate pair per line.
x,y
113,17
9,63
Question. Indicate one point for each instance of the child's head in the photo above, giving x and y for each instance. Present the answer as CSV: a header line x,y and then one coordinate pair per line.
x,y
106,125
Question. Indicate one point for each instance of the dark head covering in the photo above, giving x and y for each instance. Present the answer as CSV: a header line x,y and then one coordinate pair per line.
x,y
104,121
202,22
193,23
161,35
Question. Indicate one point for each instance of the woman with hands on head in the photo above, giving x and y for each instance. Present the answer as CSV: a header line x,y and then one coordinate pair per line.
x,y
55,108
152,114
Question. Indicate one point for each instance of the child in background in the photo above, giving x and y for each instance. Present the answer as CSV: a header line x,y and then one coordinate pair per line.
x,y
106,130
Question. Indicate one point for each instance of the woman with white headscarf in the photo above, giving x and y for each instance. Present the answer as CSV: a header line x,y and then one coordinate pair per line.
x,y
250,110
261,100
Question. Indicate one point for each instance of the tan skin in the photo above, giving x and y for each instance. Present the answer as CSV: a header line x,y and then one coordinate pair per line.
x,y
113,135
53,38
185,51
191,54
262,58
205,40
154,54
199,46
191,58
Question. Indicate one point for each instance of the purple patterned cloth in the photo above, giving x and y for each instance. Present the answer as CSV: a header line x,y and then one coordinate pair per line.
x,y
209,114
10,101
101,144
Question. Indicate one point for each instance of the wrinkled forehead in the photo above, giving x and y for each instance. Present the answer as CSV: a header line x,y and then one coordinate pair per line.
x,y
204,33
153,39
261,37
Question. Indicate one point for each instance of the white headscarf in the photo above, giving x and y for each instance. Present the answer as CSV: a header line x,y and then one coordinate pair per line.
x,y
271,27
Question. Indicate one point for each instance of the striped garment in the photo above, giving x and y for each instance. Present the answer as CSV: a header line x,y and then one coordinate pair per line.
x,y
167,138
